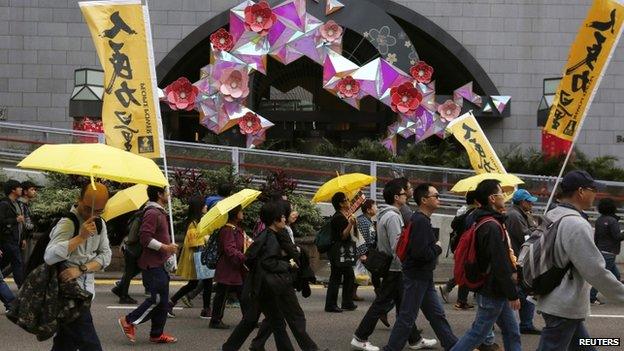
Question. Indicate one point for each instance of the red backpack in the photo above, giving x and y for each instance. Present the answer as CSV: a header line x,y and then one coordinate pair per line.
x,y
466,270
403,243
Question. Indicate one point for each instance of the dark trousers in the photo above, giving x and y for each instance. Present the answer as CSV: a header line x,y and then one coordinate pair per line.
x,y
131,269
344,276
389,293
155,307
12,255
77,335
527,310
221,293
420,294
6,295
291,311
611,266
462,291
561,334
266,304
190,287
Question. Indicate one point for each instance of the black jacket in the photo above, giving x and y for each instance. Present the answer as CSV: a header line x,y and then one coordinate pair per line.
x,y
264,259
9,227
422,255
518,225
493,255
609,235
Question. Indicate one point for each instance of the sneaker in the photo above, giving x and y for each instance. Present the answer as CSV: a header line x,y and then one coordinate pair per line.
x,y
463,306
423,343
187,302
444,293
127,300
597,302
219,325
205,313
352,307
493,347
363,345
164,339
170,313
232,304
115,290
128,329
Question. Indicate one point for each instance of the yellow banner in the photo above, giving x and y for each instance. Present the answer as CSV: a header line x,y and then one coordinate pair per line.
x,y
588,59
469,133
130,113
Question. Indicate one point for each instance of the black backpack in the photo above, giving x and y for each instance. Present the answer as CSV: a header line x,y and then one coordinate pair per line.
x,y
210,254
36,257
132,241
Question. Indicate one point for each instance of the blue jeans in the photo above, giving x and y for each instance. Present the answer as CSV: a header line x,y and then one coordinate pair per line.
x,y
491,310
611,266
527,310
12,254
6,295
563,334
155,307
420,294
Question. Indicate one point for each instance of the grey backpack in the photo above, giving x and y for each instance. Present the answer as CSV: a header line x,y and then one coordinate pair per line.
x,y
539,274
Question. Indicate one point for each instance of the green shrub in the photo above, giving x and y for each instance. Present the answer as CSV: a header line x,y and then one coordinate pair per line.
x,y
370,150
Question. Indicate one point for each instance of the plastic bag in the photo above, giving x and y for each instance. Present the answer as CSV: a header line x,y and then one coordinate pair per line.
x,y
362,276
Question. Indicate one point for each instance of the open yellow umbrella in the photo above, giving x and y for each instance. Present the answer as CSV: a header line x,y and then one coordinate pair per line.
x,y
346,183
217,216
508,182
96,160
130,199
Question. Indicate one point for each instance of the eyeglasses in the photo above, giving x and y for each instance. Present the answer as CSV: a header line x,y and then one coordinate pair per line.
x,y
593,190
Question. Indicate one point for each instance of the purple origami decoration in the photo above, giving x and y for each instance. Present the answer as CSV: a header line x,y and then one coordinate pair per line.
x,y
466,92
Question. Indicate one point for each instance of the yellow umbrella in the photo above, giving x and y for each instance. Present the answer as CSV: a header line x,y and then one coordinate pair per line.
x,y
508,182
217,216
346,183
130,199
96,160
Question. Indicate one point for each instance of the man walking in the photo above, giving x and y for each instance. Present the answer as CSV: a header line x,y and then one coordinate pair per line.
x,y
83,254
418,287
565,308
12,226
498,297
157,248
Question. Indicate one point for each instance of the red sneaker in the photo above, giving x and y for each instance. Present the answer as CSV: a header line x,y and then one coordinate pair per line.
x,y
164,339
128,329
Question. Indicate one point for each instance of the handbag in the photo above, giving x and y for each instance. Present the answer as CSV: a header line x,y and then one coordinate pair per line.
x,y
377,262
201,270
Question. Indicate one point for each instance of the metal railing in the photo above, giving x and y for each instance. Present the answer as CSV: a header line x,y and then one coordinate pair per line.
x,y
310,171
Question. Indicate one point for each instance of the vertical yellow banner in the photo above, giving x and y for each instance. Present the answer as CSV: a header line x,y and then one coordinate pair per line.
x,y
130,113
588,59
482,156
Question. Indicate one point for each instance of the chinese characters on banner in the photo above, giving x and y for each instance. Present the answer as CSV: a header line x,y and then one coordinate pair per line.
x,y
482,156
131,113
589,56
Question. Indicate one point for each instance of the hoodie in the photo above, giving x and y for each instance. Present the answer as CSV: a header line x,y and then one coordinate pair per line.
x,y
389,227
575,244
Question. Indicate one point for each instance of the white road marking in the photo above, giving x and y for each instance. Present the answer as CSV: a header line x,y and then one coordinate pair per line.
x,y
607,315
133,307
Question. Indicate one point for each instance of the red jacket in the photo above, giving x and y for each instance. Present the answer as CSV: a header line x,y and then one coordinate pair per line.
x,y
230,267
155,225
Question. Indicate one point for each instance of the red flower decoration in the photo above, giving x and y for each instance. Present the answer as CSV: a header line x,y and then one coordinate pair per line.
x,y
259,18
405,98
348,87
181,94
222,40
249,123
422,72
331,31
449,110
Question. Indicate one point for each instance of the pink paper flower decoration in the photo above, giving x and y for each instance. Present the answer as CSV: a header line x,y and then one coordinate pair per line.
x,y
331,31
234,84
181,94
249,123
405,98
348,87
421,72
259,18
449,110
222,40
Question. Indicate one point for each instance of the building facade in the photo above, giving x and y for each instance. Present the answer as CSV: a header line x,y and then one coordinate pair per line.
x,y
508,47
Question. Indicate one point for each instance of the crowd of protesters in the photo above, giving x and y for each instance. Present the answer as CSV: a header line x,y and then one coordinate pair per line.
x,y
264,271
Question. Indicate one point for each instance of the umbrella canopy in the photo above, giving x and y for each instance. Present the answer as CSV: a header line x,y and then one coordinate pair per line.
x,y
218,214
96,160
508,182
127,200
346,183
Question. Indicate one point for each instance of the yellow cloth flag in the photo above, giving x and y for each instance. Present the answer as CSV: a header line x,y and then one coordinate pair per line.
x,y
469,133
122,36
588,59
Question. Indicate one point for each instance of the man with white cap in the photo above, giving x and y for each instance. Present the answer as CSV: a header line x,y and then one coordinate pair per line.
x,y
520,224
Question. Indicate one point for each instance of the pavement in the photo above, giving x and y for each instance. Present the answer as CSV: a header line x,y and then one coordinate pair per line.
x,y
333,331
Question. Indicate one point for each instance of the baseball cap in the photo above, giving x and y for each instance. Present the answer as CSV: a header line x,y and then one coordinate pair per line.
x,y
579,179
523,195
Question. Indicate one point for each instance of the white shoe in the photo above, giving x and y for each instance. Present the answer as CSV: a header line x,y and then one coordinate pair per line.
x,y
423,343
363,345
